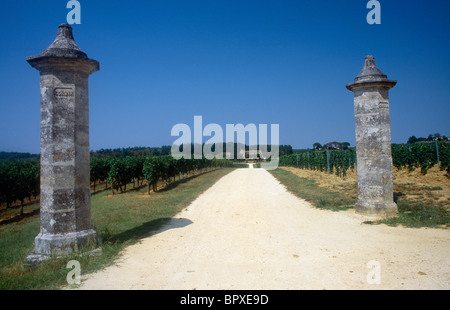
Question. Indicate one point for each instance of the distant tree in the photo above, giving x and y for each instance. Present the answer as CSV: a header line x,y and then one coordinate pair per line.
x,y
165,150
287,149
317,146
345,145
412,139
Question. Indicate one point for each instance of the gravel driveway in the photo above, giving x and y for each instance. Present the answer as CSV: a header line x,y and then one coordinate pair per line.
x,y
248,232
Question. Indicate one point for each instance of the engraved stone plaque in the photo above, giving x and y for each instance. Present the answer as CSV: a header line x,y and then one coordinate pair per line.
x,y
384,105
64,93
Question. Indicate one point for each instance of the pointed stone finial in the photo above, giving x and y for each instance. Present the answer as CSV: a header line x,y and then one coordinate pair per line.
x,y
370,71
64,45
371,74
65,50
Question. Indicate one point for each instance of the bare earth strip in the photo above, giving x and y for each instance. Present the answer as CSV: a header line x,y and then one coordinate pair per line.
x,y
248,232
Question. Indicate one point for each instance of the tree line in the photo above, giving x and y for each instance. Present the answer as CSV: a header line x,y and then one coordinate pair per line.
x,y
132,151
431,137
166,150
7,156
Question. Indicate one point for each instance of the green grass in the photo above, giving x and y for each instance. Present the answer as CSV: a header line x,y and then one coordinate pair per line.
x,y
419,214
311,192
434,188
121,220
411,214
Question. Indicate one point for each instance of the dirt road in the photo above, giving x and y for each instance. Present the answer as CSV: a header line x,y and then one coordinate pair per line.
x,y
248,232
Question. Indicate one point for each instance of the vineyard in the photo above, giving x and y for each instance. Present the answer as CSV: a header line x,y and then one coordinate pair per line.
x,y
337,162
20,179
421,156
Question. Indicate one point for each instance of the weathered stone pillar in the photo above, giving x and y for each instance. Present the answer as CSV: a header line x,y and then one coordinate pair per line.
x,y
373,141
65,181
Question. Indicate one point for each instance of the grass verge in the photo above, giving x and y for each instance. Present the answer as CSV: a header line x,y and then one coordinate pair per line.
x,y
411,213
311,192
121,220
419,214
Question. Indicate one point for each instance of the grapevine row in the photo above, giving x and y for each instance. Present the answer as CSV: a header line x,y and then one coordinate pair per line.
x,y
120,171
337,162
411,156
20,179
421,155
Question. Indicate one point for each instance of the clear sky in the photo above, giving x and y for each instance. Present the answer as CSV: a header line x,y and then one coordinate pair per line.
x,y
230,61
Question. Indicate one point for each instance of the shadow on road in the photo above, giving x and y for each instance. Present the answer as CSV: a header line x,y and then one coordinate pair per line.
x,y
151,228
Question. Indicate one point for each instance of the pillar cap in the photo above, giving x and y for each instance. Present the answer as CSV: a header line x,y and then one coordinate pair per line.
x,y
63,47
371,76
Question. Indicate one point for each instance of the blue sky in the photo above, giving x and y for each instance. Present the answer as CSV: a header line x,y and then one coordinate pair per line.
x,y
262,62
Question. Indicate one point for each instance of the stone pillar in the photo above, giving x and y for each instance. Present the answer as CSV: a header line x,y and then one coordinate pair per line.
x,y
373,141
65,180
